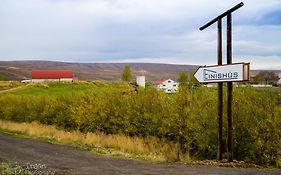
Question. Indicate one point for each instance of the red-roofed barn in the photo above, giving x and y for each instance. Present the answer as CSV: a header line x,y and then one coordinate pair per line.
x,y
52,75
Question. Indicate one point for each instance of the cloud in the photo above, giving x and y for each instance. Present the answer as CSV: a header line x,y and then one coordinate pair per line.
x,y
134,30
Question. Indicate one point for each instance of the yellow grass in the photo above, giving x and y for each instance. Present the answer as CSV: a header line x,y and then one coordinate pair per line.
x,y
151,148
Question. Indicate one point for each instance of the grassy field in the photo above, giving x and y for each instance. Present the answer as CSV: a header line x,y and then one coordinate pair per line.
x,y
5,85
68,88
52,89
62,88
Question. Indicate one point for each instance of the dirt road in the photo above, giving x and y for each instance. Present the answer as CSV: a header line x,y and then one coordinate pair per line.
x,y
70,161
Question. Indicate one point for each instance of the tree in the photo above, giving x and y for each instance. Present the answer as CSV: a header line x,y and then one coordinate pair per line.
x,y
3,78
182,79
192,82
266,77
127,74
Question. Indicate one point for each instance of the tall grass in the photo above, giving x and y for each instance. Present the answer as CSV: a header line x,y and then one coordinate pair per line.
x,y
151,148
5,85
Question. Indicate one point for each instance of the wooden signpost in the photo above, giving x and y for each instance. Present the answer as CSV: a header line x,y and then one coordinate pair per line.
x,y
224,73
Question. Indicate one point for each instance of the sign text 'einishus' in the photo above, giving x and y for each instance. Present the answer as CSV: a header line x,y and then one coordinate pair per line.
x,y
224,73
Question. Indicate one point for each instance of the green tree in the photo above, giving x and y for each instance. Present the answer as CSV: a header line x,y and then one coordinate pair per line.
x,y
127,74
183,79
266,77
3,78
192,82
256,79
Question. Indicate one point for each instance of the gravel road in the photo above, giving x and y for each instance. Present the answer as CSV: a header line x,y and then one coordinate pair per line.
x,y
69,160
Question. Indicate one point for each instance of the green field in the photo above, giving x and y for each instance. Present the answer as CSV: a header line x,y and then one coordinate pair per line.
x,y
5,85
63,88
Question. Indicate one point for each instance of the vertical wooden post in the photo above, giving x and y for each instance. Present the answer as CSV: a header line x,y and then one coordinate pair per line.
x,y
220,98
229,92
229,84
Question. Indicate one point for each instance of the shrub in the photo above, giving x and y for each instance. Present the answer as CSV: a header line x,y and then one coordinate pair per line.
x,y
187,118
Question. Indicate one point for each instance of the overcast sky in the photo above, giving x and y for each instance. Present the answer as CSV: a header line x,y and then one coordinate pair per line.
x,y
165,31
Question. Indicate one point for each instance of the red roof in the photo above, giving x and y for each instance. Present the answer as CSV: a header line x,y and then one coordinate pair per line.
x,y
51,74
158,82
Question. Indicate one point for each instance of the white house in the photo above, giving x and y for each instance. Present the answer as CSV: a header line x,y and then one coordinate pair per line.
x,y
169,86
279,82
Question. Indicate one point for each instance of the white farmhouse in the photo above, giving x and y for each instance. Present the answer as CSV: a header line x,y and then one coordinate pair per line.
x,y
279,82
169,86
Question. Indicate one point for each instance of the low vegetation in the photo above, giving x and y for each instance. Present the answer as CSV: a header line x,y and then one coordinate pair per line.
x,y
28,169
5,85
3,78
62,88
150,148
6,169
156,121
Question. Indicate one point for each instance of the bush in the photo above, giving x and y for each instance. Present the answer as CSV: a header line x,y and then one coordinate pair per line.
x,y
188,118
9,84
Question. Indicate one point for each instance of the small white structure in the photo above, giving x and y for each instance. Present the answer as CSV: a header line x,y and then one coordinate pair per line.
x,y
260,85
25,81
279,82
169,86
140,81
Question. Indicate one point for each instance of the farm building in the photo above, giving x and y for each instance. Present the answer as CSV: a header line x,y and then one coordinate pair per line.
x,y
52,75
140,80
169,86
279,82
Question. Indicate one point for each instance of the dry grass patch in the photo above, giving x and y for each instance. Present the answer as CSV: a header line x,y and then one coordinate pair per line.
x,y
147,148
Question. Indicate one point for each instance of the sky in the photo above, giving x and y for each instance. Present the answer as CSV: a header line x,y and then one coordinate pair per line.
x,y
154,31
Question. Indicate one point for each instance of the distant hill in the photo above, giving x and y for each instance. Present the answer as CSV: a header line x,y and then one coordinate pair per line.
x,y
18,70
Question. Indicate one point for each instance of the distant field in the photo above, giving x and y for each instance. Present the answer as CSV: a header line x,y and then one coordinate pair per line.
x,y
52,89
5,85
62,88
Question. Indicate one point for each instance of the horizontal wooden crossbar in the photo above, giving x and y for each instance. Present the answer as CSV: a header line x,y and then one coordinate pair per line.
x,y
222,15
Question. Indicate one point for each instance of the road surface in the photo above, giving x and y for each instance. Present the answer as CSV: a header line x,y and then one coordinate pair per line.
x,y
69,160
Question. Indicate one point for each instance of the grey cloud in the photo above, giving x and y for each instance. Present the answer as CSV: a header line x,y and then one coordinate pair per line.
x,y
147,30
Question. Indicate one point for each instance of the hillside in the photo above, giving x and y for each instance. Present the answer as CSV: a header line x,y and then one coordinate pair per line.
x,y
18,70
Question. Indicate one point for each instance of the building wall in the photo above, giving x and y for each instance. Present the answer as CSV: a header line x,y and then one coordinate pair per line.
x,y
279,82
140,81
51,74
169,86
44,80
66,79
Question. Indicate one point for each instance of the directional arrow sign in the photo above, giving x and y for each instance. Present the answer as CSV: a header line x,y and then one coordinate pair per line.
x,y
223,73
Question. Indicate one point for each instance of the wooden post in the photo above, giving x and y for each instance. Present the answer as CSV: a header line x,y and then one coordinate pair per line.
x,y
229,93
220,98
229,84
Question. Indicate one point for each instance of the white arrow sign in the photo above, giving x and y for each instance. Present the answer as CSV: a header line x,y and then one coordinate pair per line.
x,y
223,73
